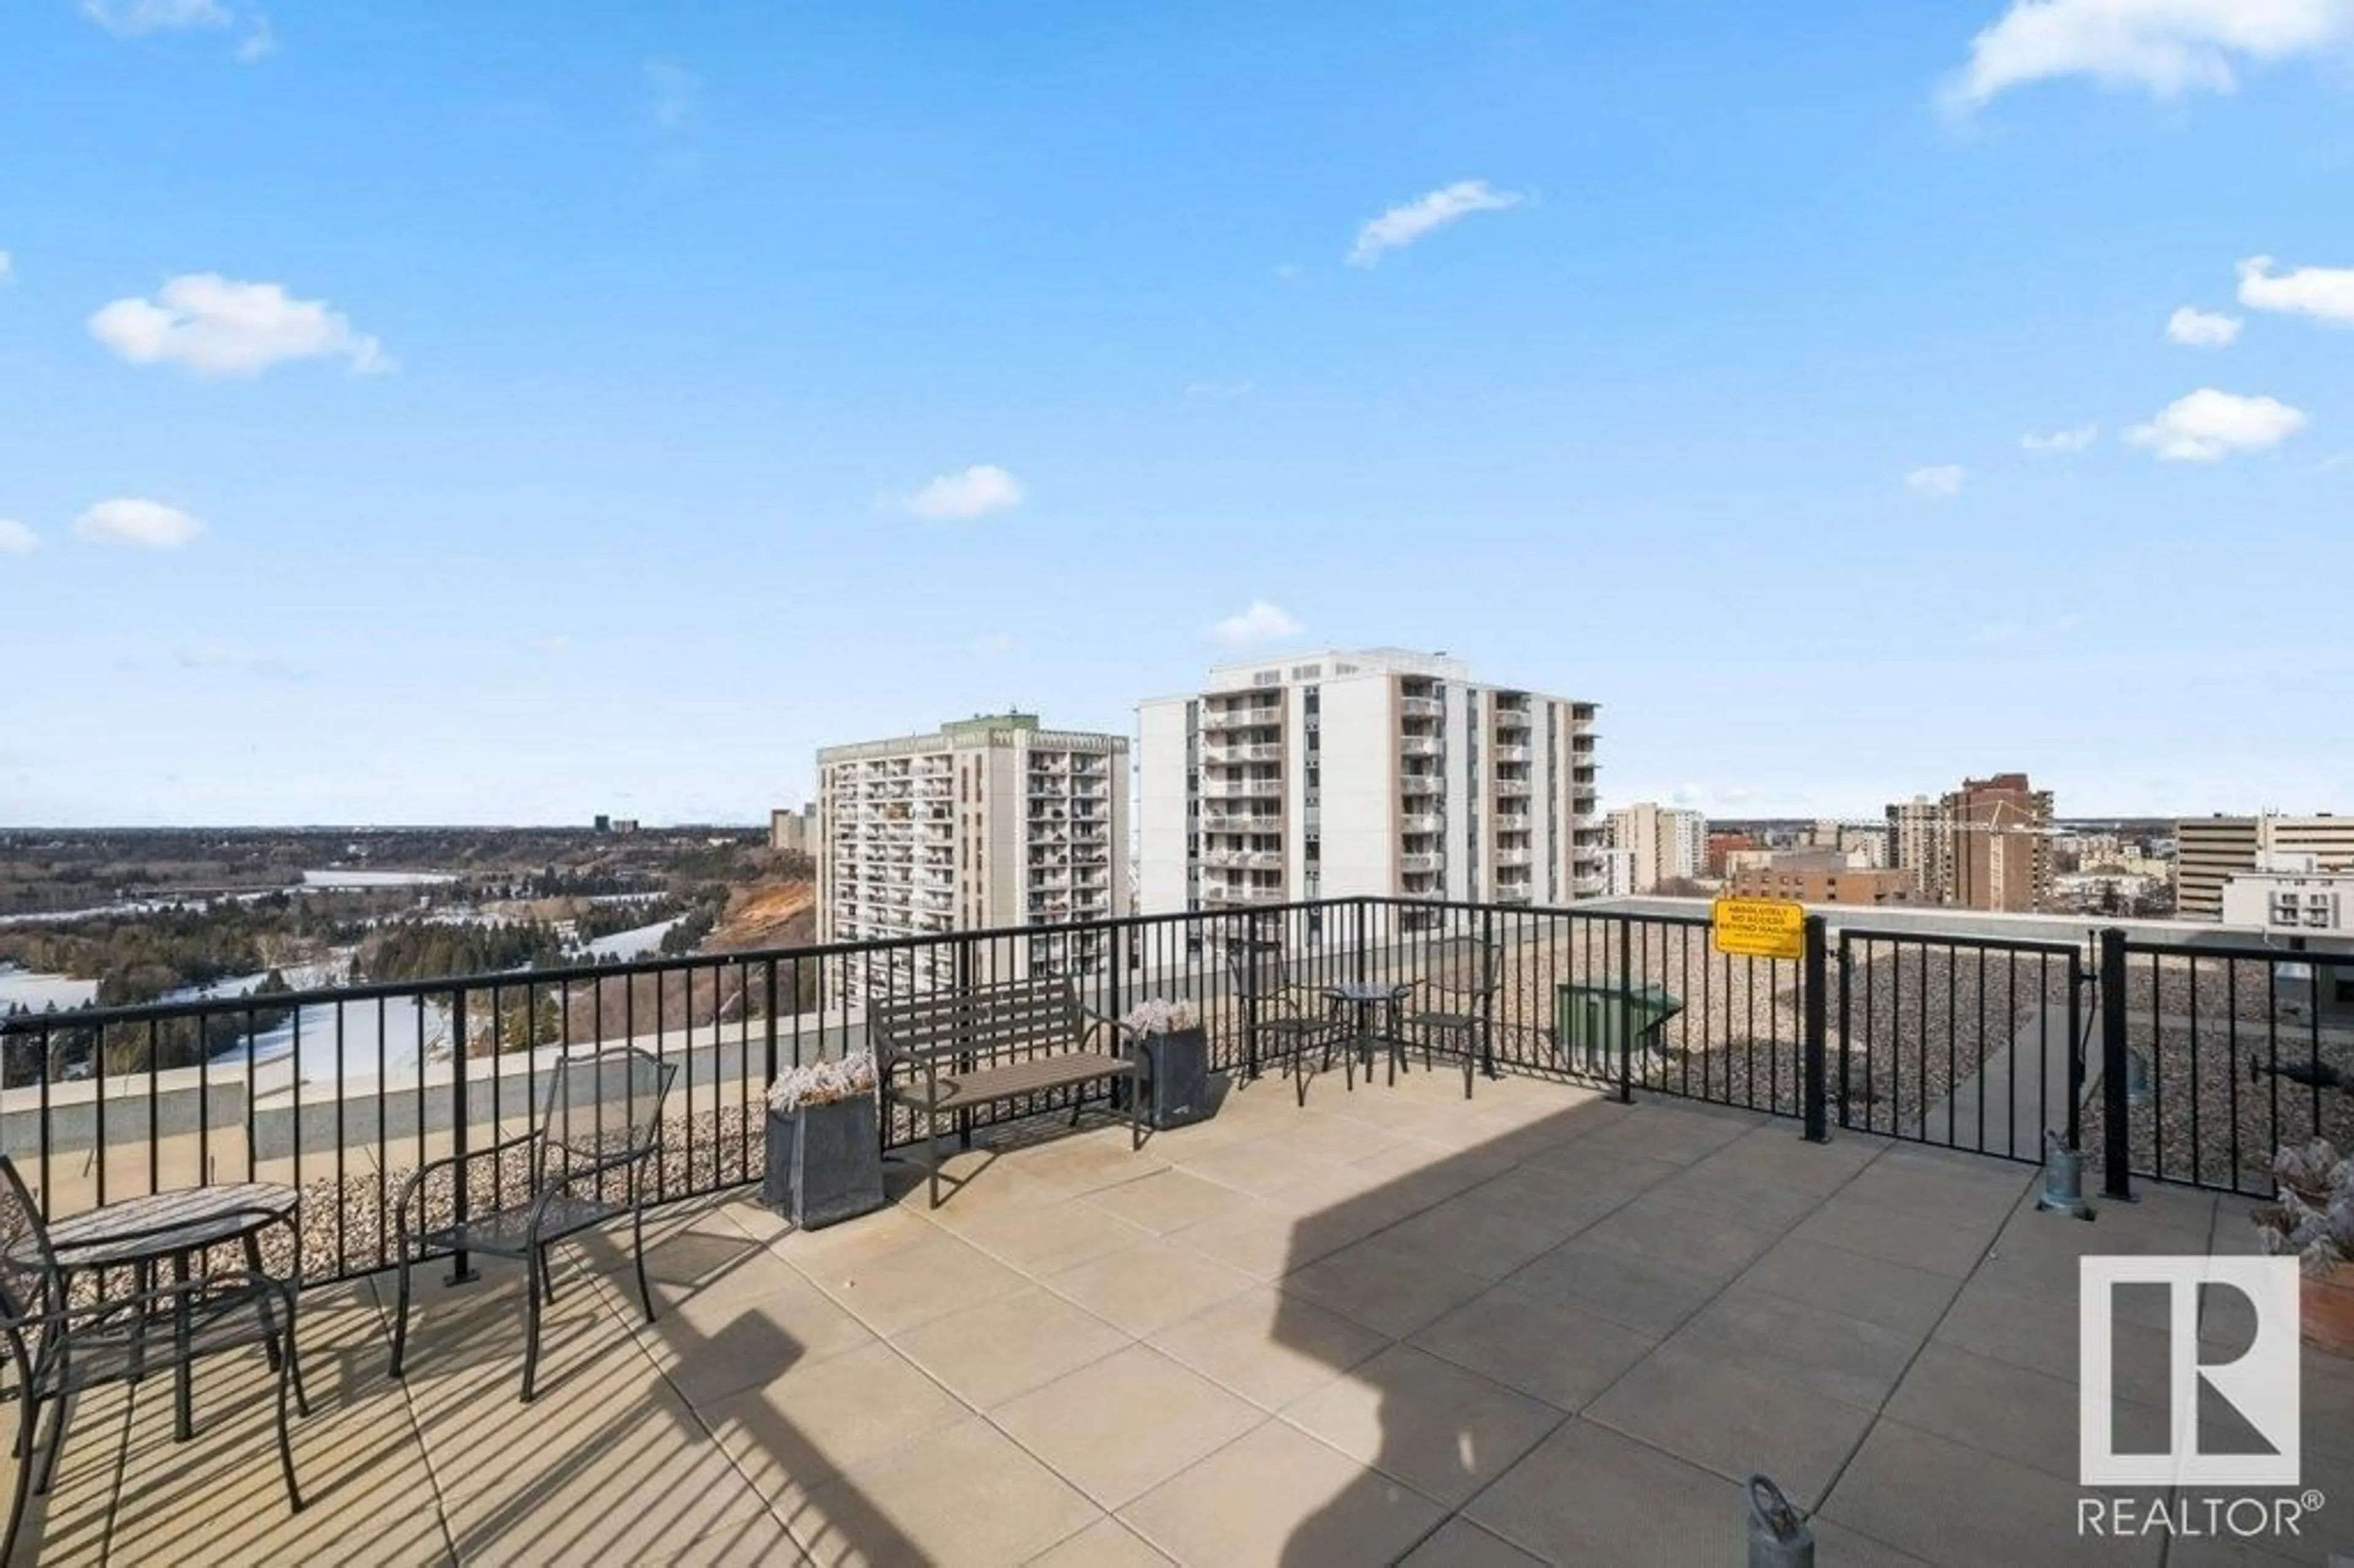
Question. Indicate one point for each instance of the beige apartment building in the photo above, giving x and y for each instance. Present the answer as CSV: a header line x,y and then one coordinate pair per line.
x,y
1669,844
793,832
1987,845
2002,854
1824,885
1919,846
988,824
2211,850
1381,772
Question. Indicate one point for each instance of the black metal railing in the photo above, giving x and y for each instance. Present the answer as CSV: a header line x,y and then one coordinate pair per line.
x,y
2216,1054
1962,1041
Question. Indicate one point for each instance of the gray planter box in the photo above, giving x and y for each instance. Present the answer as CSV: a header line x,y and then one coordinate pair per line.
x,y
825,1163
1176,1084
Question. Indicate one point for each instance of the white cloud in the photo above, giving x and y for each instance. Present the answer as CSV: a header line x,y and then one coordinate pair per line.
x,y
1941,482
994,644
210,326
1289,271
137,18
976,492
2208,426
677,94
2201,329
242,661
2166,46
2323,291
259,42
1406,224
2073,440
7,268
1262,622
16,539
147,524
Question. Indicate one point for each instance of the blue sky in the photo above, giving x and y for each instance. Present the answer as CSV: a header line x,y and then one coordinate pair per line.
x,y
577,403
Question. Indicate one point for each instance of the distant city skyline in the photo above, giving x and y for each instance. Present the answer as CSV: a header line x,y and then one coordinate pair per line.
x,y
484,421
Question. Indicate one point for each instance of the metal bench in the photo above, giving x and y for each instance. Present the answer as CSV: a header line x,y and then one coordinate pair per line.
x,y
983,1045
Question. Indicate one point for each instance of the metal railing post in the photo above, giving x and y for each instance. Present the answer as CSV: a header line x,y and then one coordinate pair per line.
x,y
1816,1002
461,1267
2077,980
1490,983
769,1062
1625,928
2116,1152
1847,1000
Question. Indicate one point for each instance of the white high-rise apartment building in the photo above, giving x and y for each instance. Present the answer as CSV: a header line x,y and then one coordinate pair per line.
x,y
1385,772
987,825
1669,844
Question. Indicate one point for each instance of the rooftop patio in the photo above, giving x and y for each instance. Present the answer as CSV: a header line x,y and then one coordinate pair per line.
x,y
1537,1326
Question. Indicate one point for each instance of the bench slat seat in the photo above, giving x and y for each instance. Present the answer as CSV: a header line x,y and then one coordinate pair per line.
x,y
945,1053
1014,1079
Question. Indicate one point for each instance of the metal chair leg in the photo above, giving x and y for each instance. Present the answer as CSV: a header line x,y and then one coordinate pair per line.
x,y
401,1315
28,1421
286,1374
60,1413
638,1245
283,1357
530,1321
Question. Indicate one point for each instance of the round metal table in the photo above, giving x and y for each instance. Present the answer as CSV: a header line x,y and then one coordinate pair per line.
x,y
171,1227
1368,998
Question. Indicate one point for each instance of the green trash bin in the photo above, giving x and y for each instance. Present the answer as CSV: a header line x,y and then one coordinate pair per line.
x,y
1593,1022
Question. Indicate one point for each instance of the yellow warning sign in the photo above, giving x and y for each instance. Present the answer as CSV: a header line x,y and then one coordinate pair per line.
x,y
1759,927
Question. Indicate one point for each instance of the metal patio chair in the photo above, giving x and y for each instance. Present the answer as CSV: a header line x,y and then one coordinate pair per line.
x,y
599,1126
60,1340
1279,1006
1454,1006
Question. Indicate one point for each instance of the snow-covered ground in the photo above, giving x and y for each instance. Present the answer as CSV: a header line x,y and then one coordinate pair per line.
x,y
637,942
340,879
26,988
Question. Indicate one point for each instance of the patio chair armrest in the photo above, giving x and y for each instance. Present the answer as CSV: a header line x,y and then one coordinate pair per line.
x,y
413,1185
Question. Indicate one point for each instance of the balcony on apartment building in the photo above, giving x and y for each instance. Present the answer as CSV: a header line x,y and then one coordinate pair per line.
x,y
1252,716
1514,855
1419,746
1239,752
1421,862
1421,707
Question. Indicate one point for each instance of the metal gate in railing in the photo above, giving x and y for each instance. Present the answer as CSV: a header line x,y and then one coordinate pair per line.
x,y
1967,1042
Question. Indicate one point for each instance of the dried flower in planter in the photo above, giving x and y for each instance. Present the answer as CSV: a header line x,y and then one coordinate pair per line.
x,y
1161,1017
2314,1218
822,1083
